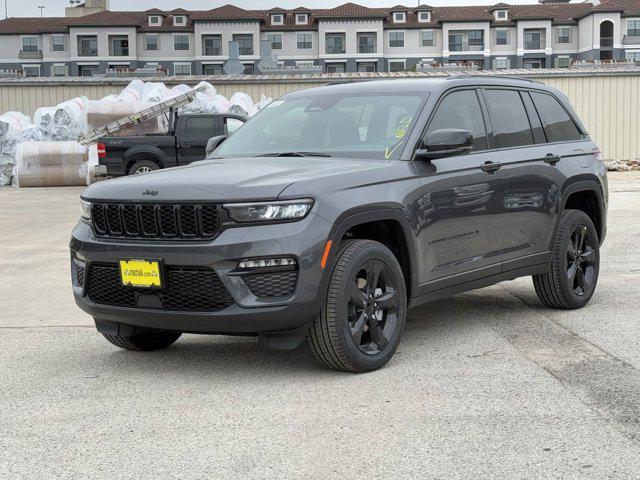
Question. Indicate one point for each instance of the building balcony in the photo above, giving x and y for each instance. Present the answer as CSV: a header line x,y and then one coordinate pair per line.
x,y
85,52
30,54
466,47
119,52
541,45
606,42
211,52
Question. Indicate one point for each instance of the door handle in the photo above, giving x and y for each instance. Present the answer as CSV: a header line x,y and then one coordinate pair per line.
x,y
185,144
490,167
552,158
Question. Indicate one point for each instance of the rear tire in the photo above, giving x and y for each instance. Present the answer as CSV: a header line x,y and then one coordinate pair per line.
x,y
364,312
143,166
145,342
575,264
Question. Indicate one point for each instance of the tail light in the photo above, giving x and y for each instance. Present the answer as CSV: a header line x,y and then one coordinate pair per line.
x,y
102,150
598,154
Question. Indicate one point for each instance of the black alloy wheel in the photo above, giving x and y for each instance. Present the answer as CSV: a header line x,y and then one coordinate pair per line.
x,y
373,307
581,260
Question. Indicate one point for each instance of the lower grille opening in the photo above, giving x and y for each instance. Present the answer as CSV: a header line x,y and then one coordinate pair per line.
x,y
187,289
273,284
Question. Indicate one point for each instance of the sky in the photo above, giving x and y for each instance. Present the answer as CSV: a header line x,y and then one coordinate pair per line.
x,y
53,8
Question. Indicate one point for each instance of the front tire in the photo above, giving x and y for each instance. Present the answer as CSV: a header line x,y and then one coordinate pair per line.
x,y
364,312
145,342
575,264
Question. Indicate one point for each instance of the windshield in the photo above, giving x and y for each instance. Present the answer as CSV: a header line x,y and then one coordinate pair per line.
x,y
370,125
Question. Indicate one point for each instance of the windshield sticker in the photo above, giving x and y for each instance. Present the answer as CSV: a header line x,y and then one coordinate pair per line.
x,y
403,126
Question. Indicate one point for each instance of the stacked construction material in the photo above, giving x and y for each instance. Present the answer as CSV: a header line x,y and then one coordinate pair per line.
x,y
55,129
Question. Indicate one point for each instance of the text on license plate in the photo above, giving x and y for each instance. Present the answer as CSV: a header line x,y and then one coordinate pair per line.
x,y
141,273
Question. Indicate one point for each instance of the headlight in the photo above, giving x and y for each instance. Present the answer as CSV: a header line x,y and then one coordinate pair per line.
x,y
85,211
269,211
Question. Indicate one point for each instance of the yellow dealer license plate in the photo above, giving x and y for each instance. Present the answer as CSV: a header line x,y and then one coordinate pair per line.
x,y
141,273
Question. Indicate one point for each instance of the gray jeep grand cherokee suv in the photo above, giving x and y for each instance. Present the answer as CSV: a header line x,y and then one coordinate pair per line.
x,y
336,209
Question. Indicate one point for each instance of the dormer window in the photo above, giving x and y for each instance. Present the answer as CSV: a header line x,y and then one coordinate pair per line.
x,y
302,19
179,21
155,20
399,17
277,19
424,17
501,15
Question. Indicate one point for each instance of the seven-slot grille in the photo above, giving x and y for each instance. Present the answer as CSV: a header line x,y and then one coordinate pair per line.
x,y
146,220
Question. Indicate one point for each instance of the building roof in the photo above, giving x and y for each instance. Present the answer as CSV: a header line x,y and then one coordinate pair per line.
x,y
558,13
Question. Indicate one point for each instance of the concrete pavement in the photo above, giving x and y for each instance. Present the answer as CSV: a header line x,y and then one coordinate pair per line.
x,y
488,384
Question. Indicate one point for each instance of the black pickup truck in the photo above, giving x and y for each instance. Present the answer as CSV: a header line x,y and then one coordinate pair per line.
x,y
185,143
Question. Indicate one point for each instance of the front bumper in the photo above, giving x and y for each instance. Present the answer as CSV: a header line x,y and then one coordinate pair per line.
x,y
303,240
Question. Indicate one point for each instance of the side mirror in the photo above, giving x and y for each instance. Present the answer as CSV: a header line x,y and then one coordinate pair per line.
x,y
214,143
445,143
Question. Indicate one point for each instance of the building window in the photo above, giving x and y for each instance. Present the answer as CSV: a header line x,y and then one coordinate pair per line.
x,y
502,37
633,56
30,44
305,41
118,45
564,34
427,38
214,69
154,20
534,39
633,28
87,46
182,69
58,43
502,63
245,42
399,17
335,67
152,43
367,42
476,40
276,40
367,67
396,39
248,68
88,70
211,45
277,19
59,70
397,65
563,62
179,21
181,42
31,70
302,19
335,43
424,17
501,15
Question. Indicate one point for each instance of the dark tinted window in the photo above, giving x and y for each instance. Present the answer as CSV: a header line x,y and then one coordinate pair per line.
x,y
462,110
508,118
534,119
557,124
199,128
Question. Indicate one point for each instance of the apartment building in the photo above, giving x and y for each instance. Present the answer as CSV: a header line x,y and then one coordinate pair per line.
x,y
347,38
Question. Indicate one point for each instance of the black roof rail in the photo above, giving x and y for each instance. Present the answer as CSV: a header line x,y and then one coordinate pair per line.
x,y
488,75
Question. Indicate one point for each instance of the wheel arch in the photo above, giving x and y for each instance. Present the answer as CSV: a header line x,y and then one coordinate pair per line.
x,y
587,196
146,152
359,224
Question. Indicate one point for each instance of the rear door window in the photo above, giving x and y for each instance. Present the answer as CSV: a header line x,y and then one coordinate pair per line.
x,y
461,109
534,119
200,128
557,123
509,118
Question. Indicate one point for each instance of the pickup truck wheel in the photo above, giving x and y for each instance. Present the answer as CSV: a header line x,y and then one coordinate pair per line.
x,y
143,166
573,273
145,342
364,312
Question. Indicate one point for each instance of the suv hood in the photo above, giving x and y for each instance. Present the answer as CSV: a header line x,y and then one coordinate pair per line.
x,y
231,179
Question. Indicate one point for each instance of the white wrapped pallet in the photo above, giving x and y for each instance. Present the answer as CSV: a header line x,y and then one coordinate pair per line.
x,y
50,164
100,113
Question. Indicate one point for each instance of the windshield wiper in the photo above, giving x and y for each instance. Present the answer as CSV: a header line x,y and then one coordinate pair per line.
x,y
295,154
